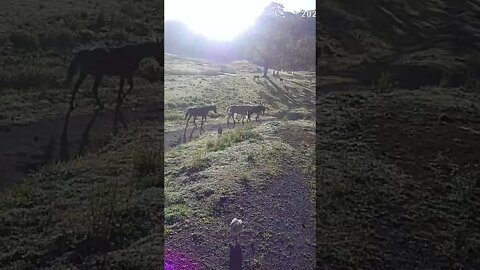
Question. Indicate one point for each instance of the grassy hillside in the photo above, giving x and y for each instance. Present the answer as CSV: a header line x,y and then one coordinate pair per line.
x,y
417,42
105,209
101,211
397,135
37,41
397,179
261,172
190,82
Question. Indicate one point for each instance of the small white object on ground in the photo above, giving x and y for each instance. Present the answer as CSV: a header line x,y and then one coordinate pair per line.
x,y
236,227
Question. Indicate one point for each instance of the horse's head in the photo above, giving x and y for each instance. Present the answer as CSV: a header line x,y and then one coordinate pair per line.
x,y
214,108
261,108
155,49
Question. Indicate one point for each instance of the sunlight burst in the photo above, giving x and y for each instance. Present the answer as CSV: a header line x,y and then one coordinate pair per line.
x,y
223,19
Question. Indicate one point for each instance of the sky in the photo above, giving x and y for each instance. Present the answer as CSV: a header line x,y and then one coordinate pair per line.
x,y
203,16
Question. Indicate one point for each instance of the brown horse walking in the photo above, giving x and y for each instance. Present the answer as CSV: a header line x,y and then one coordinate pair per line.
x,y
99,62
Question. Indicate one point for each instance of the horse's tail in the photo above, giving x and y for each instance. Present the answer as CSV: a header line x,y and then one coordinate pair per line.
x,y
187,113
72,69
228,110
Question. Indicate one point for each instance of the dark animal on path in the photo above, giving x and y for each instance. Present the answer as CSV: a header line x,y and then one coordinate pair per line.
x,y
245,111
281,79
256,77
121,61
99,62
199,111
256,109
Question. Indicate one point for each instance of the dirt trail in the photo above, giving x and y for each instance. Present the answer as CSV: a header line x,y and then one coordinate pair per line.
x,y
279,230
29,147
179,136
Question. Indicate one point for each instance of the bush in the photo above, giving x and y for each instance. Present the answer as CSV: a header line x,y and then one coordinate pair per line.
x,y
71,22
86,35
24,40
148,162
60,39
138,28
100,19
130,10
150,71
230,138
383,84
119,36
30,77
83,15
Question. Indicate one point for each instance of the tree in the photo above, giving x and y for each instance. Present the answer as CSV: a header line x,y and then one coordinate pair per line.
x,y
280,40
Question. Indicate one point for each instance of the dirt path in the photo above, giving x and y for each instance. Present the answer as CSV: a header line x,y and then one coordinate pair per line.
x,y
279,230
27,148
179,136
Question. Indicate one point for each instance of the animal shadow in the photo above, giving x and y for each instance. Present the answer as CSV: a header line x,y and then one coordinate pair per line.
x,y
236,257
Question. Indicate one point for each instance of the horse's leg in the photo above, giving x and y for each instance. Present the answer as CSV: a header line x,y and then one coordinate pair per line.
x,y
96,83
188,119
79,82
119,103
201,127
130,82
64,155
195,117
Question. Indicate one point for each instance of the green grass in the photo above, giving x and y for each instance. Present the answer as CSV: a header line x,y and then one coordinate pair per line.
x,y
38,38
386,198
229,138
92,208
191,82
202,172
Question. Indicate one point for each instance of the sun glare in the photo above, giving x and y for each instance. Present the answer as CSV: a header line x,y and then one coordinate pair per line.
x,y
223,19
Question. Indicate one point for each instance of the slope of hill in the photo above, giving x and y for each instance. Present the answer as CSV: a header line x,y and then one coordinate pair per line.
x,y
397,173
261,172
418,42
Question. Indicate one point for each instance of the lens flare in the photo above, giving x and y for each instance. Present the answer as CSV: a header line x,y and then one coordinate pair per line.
x,y
176,260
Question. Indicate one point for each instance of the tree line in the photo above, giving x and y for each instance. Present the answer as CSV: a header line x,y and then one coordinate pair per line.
x,y
278,40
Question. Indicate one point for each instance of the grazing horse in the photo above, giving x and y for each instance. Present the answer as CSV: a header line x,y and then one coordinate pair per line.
x,y
121,61
199,111
99,62
256,109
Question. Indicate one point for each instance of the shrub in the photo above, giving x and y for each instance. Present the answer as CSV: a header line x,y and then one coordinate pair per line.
x,y
60,39
150,71
71,22
119,36
29,77
148,162
24,40
86,35
383,84
232,137
130,10
83,14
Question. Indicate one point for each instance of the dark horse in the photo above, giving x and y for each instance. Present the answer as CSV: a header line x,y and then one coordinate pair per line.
x,y
98,62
